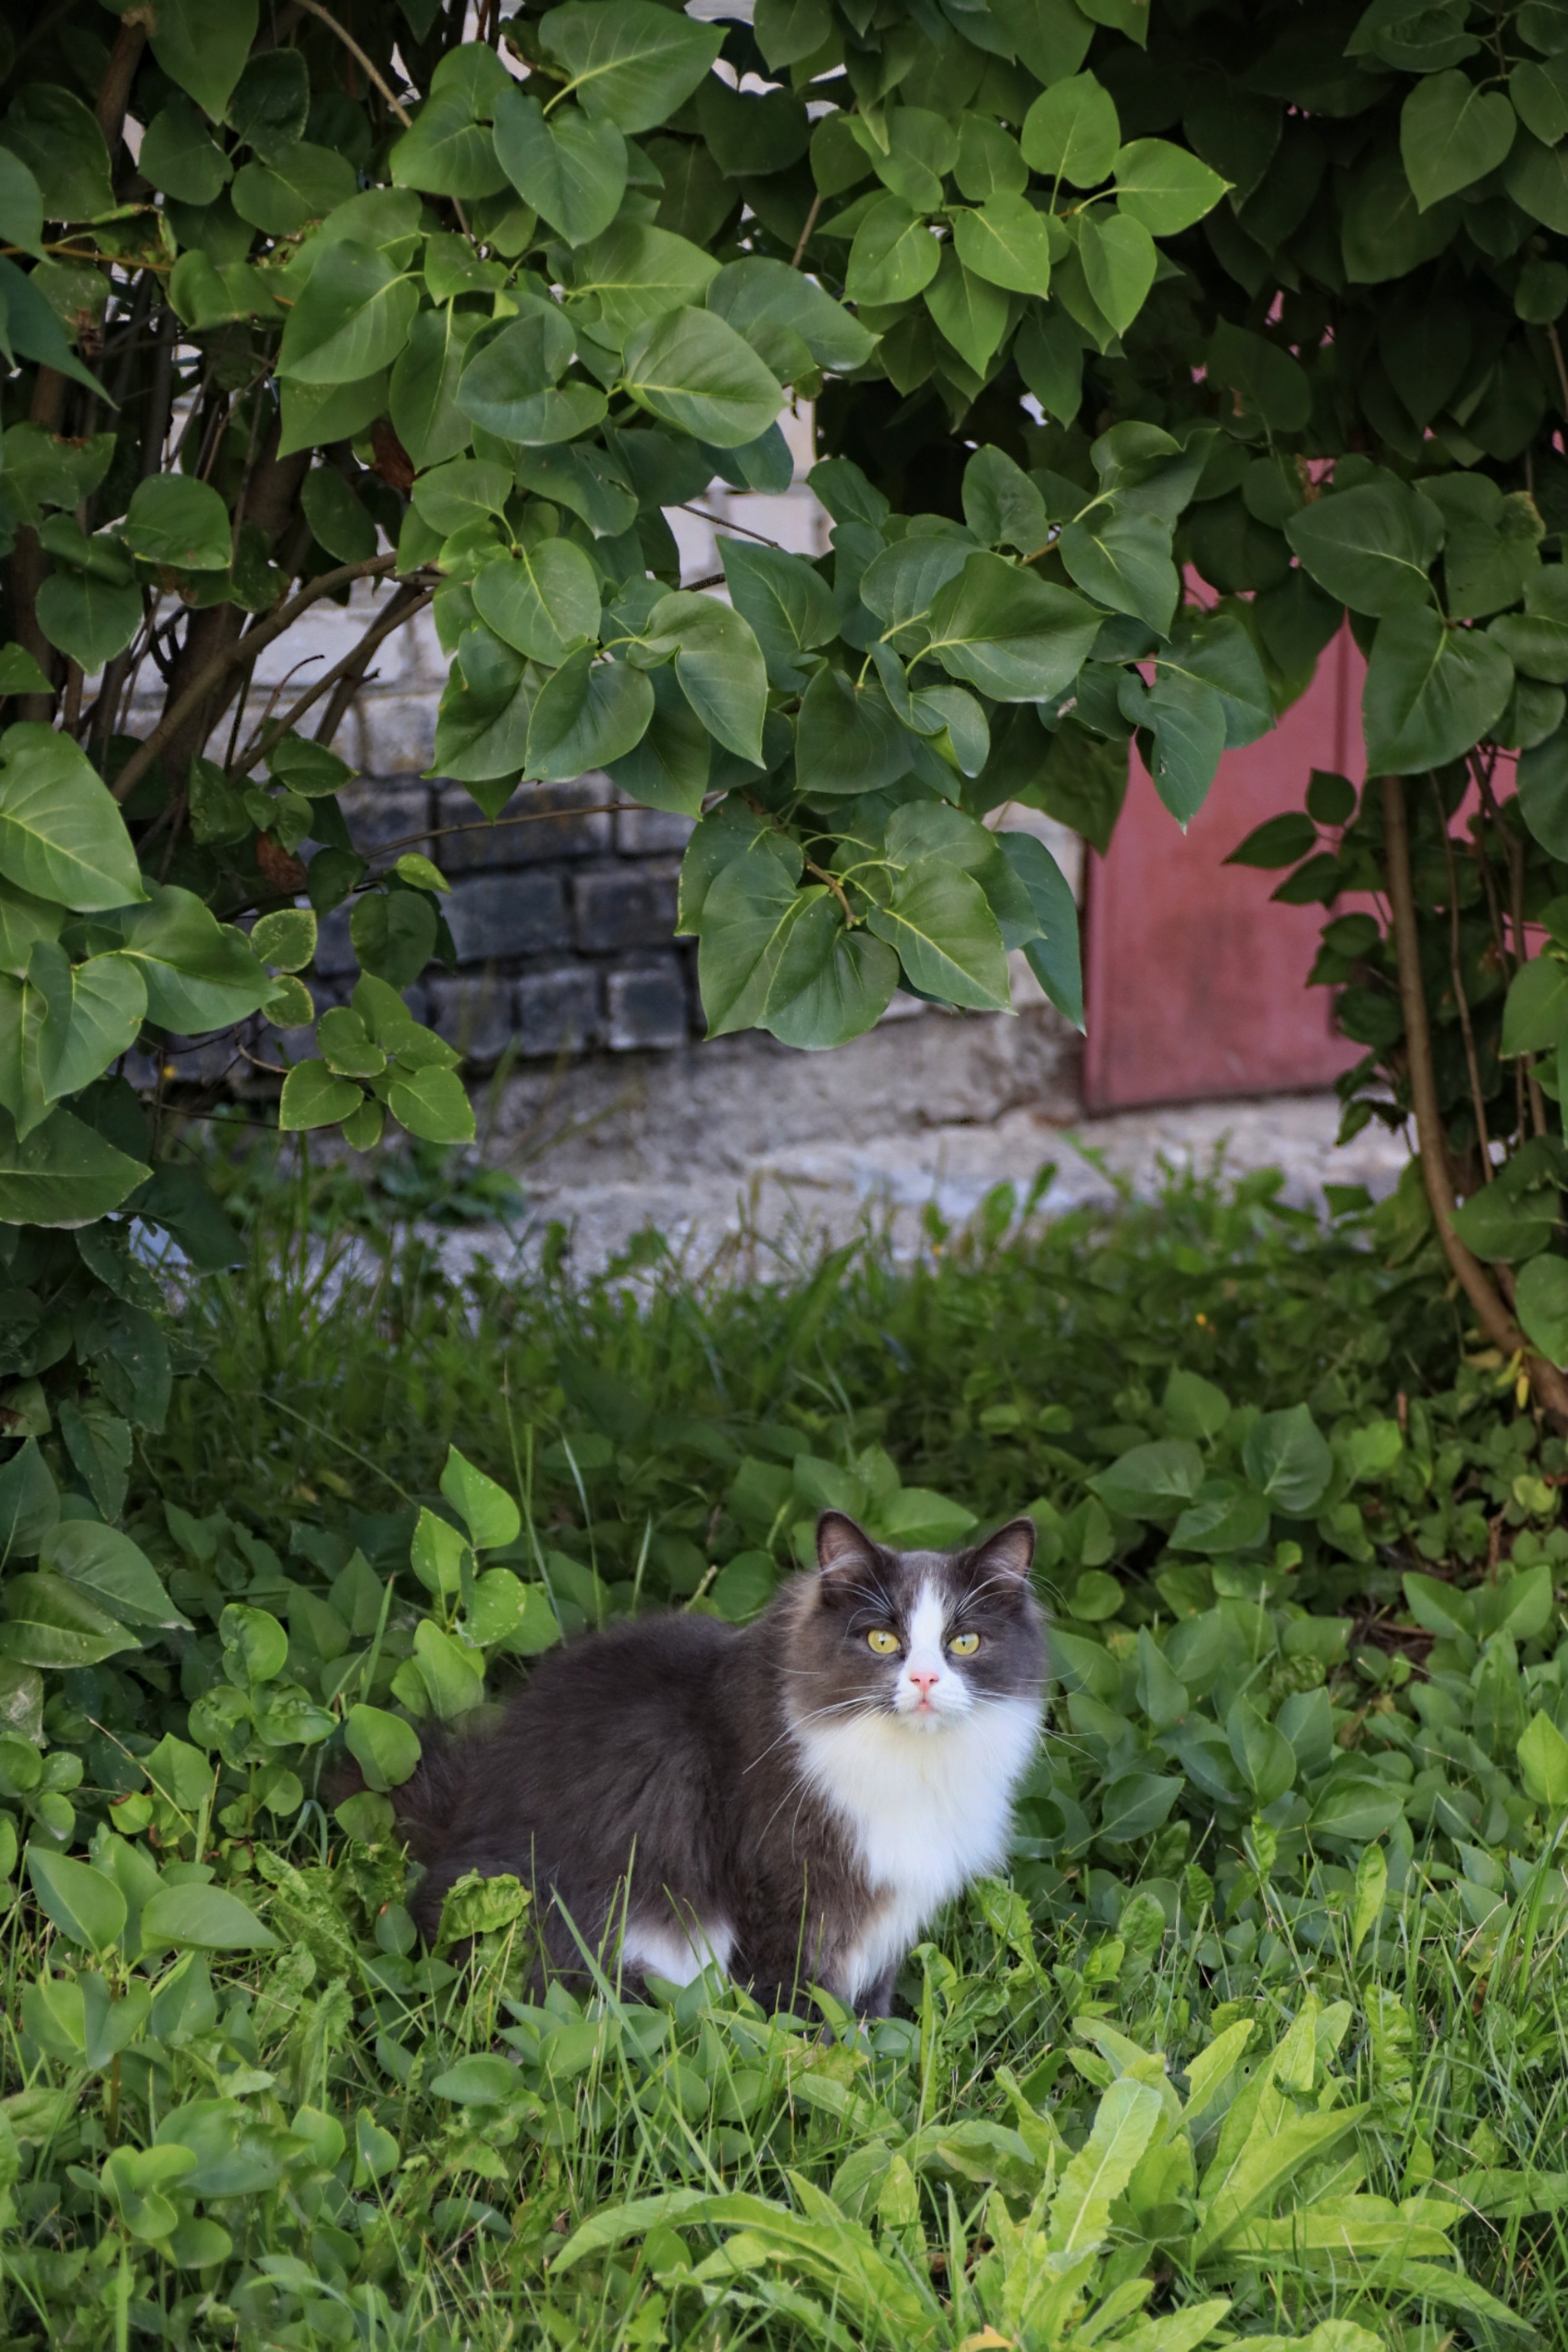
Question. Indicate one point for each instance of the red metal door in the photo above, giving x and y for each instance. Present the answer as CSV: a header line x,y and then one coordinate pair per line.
x,y
1195,984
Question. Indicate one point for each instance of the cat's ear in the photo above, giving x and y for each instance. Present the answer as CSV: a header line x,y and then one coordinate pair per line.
x,y
1006,1557
842,1547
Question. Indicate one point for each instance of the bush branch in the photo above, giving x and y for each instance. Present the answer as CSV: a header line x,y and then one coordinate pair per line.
x,y
1491,1309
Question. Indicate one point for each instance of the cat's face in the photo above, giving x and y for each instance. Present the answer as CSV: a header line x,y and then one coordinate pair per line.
x,y
926,1637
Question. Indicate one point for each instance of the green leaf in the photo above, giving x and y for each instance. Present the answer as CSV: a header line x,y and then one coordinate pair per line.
x,y
588,713
448,1674
19,671
946,936
62,839
894,256
1277,841
62,1174
448,153
1287,1457
1119,259
1542,775
1542,1755
1221,1522
94,1011
57,138
1001,505
422,393
1136,1804
627,59
21,206
1452,132
1007,243
90,619
755,293
209,1918
720,668
386,1748
668,769
1152,1482
543,600
748,912
1054,956
174,520
29,1503
697,373
286,939
112,1570
637,272
788,602
352,318
394,934
1430,693
478,2081
1072,133
1016,637
340,522
1264,1757
1275,388
486,1510
969,312
1186,720
1372,547
846,738
84,1903
831,983
1494,1222
1125,2123
1357,1808
298,185
572,170
181,158
312,1097
1123,557
1167,188
1541,1302
200,974
49,1622
431,1103
507,383
1536,177
203,44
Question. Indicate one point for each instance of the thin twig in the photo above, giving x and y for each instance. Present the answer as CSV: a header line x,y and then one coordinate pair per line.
x,y
237,656
1492,1313
837,887
1513,850
799,253
349,42
382,629
1472,1061
721,522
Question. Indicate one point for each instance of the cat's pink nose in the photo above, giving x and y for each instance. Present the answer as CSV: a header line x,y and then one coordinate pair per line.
x,y
925,1679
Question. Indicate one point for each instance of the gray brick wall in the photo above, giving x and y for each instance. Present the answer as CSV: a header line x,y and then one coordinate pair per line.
x,y
562,914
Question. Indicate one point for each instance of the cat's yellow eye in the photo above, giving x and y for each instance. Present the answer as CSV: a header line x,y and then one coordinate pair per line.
x,y
964,1645
882,1642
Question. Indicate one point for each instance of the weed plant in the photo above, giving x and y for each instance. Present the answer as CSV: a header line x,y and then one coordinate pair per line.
x,y
1265,2035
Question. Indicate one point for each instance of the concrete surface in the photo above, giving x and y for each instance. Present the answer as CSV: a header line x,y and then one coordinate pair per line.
x,y
774,1207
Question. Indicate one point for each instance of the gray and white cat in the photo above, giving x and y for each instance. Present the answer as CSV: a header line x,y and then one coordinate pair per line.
x,y
794,1799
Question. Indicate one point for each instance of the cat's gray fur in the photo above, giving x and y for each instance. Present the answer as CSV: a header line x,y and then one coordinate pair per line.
x,y
776,1798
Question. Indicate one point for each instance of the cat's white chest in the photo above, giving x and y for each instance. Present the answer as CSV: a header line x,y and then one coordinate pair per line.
x,y
928,1811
